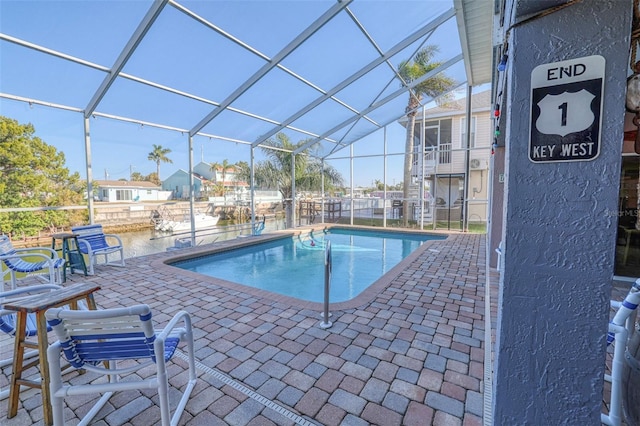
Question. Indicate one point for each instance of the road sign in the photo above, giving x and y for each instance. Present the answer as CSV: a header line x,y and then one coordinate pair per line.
x,y
566,110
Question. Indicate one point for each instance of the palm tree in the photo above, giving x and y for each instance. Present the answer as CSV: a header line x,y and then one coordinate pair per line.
x,y
433,87
223,167
159,154
242,171
275,172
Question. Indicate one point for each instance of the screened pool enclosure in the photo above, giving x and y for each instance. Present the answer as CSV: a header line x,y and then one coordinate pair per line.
x,y
104,81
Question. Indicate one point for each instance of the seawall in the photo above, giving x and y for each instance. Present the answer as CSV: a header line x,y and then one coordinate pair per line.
x,y
128,217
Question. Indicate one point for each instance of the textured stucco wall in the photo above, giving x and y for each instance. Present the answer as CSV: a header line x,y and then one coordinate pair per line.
x,y
559,229
497,205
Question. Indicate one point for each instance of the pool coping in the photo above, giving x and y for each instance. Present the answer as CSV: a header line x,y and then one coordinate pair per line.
x,y
366,296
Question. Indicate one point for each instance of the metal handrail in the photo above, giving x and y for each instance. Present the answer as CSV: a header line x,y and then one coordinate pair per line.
x,y
327,284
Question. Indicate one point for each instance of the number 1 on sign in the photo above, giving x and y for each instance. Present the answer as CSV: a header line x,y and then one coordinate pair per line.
x,y
563,108
573,120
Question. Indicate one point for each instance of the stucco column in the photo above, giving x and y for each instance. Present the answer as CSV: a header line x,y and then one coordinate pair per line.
x,y
559,231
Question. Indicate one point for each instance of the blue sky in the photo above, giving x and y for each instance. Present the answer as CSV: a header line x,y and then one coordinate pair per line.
x,y
183,54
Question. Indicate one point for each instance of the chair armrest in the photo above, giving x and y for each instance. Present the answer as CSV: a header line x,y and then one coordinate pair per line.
x,y
114,236
51,258
84,243
38,251
166,331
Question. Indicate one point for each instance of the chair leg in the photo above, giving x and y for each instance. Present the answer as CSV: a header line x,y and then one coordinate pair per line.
x,y
115,262
192,378
55,276
163,389
58,275
14,280
163,381
95,409
55,384
192,360
89,265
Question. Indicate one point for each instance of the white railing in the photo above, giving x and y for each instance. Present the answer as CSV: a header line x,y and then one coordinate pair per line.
x,y
445,153
430,161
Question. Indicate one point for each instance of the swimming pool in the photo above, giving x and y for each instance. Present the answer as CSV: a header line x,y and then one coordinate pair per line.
x,y
295,266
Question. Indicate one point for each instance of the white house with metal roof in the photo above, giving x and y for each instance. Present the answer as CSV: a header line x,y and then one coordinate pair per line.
x,y
116,191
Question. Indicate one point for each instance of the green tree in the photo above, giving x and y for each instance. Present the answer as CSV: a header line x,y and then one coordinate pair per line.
x,y
153,177
139,177
224,167
243,171
217,189
275,172
411,70
159,155
33,174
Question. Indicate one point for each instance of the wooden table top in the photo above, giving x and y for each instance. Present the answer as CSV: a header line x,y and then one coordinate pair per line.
x,y
63,235
50,299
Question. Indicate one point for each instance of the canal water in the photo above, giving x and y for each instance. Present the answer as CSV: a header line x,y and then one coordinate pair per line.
x,y
140,243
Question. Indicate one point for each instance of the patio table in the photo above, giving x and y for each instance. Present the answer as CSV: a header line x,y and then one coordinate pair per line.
x,y
39,304
70,252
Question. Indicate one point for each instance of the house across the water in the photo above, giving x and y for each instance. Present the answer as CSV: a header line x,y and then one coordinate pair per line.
x,y
117,191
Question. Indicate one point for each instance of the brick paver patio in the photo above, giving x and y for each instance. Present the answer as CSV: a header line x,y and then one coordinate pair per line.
x,y
409,351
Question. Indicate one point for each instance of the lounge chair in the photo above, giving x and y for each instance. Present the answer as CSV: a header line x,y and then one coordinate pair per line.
x,y
89,339
41,261
93,242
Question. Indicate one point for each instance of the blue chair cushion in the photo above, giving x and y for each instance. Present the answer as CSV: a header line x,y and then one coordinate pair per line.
x,y
79,352
21,265
8,324
95,237
97,243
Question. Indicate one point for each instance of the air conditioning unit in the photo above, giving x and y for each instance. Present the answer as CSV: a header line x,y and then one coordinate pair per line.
x,y
477,164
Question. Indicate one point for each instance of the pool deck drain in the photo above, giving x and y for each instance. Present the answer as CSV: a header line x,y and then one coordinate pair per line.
x,y
251,394
488,363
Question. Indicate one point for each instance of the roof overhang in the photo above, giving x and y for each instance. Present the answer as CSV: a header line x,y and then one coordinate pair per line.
x,y
475,26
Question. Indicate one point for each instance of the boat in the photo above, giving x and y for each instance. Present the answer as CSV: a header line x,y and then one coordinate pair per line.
x,y
202,220
167,220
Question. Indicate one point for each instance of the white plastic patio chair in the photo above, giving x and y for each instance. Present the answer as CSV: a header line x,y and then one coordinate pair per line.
x,y
621,329
93,242
91,338
34,260
8,320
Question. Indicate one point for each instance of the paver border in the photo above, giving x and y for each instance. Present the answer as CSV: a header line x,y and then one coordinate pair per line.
x,y
366,296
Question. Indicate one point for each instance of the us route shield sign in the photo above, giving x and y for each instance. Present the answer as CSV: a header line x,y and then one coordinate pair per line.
x,y
566,110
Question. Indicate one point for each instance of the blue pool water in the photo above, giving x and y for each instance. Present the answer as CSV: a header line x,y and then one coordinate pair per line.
x,y
295,267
